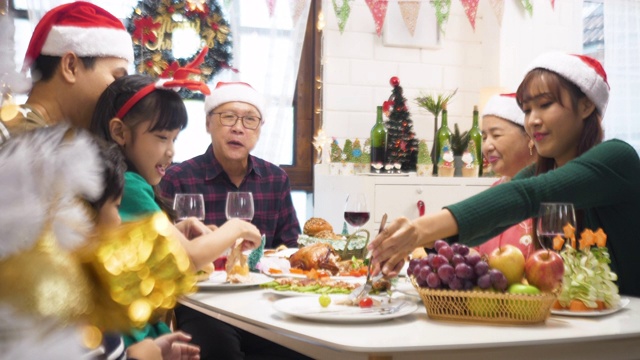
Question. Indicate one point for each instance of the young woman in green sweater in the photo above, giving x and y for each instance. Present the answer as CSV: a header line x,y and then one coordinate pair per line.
x,y
564,98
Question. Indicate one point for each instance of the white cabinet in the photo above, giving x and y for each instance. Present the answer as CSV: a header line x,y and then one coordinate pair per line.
x,y
396,195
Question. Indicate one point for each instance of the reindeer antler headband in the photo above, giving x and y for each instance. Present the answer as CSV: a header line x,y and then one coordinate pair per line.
x,y
180,80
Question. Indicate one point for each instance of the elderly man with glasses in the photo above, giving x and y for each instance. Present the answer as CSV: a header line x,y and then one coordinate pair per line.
x,y
235,114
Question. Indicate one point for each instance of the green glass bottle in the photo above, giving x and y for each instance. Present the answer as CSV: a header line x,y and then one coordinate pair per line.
x,y
475,134
443,135
378,143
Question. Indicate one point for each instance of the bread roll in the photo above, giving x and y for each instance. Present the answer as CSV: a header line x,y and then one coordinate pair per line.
x,y
328,234
204,273
316,225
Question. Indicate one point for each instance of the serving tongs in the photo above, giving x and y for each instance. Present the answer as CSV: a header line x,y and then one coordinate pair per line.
x,y
363,290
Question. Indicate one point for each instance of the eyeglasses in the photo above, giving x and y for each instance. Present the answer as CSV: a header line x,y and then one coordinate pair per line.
x,y
249,122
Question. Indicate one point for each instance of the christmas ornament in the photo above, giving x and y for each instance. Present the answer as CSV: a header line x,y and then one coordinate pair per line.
x,y
442,12
153,24
394,81
471,9
342,12
409,11
379,11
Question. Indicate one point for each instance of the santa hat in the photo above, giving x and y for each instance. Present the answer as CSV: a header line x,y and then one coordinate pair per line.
x,y
225,92
585,72
505,107
82,28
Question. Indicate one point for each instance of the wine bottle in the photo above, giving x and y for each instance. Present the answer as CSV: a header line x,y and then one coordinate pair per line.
x,y
443,135
378,143
476,135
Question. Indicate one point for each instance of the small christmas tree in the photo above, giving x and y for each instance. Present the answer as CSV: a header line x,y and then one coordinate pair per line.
x,y
336,152
402,145
357,151
424,157
366,151
347,151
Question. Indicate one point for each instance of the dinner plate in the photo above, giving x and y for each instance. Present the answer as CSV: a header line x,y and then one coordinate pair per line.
x,y
309,308
218,281
623,302
285,253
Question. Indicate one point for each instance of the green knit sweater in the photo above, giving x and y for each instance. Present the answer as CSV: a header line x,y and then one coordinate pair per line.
x,y
604,183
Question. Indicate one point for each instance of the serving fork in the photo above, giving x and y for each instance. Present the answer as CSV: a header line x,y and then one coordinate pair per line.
x,y
360,292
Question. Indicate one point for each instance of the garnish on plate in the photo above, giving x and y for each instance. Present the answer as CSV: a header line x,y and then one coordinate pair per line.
x,y
588,283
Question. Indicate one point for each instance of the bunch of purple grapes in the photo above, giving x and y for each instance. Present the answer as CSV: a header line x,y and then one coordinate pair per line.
x,y
455,268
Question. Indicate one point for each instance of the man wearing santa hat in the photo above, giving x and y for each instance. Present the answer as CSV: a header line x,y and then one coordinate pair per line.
x,y
234,118
75,52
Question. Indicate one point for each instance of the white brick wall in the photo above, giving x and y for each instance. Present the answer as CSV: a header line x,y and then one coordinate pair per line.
x,y
357,66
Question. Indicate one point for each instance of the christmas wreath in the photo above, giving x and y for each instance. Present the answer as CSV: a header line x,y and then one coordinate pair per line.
x,y
151,26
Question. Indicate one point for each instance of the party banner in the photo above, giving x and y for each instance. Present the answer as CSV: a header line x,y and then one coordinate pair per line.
x,y
498,9
409,10
297,6
553,4
442,12
471,9
379,11
342,12
271,4
528,6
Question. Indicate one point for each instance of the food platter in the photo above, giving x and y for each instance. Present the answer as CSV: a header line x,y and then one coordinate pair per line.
x,y
621,305
309,308
218,281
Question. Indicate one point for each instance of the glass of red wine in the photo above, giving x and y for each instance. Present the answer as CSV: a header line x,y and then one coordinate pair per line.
x,y
356,212
552,219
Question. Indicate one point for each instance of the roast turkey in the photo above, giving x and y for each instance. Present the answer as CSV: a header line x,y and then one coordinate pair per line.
x,y
316,256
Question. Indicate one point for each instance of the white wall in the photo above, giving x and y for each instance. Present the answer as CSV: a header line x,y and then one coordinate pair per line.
x,y
357,66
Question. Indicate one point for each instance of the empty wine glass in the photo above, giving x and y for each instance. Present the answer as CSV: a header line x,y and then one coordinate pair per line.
x,y
189,205
239,205
552,219
356,212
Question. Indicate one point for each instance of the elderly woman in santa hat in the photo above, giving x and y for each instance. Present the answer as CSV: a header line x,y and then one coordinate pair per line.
x,y
508,148
564,98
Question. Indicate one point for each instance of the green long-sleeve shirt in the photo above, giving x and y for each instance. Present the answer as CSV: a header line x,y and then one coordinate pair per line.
x,y
604,183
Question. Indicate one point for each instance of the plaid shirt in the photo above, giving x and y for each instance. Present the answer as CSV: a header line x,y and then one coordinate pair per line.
x,y
274,213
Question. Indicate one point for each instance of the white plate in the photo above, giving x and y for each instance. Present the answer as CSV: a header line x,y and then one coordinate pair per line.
x,y
218,281
309,308
623,302
290,293
285,253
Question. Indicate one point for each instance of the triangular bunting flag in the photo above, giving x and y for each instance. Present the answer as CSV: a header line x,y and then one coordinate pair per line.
x,y
498,9
297,6
471,9
442,12
553,4
342,12
271,4
528,6
409,10
379,11
227,3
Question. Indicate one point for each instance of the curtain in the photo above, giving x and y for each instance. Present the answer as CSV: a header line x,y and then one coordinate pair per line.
x,y
266,53
622,63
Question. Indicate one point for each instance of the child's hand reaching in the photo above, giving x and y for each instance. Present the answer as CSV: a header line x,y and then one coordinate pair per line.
x,y
174,347
191,228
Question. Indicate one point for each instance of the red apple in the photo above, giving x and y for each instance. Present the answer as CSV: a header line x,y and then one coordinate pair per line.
x,y
510,261
544,269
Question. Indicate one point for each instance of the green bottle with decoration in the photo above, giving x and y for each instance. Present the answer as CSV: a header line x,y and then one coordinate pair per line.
x,y
378,142
475,139
443,136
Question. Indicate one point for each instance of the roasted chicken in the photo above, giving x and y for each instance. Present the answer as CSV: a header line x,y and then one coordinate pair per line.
x,y
316,256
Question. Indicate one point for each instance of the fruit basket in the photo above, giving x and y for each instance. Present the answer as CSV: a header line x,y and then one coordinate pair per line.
x,y
479,306
352,245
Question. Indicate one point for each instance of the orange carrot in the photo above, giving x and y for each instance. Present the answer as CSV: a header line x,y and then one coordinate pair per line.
x,y
275,271
558,241
577,305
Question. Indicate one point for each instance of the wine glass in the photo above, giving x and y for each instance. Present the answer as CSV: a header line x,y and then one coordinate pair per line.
x,y
239,205
188,205
356,212
552,219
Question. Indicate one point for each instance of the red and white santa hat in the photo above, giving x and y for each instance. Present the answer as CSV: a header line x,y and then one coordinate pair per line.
x,y
585,72
505,107
82,28
225,92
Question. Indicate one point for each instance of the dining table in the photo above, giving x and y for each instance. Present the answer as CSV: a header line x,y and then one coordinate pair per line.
x,y
416,336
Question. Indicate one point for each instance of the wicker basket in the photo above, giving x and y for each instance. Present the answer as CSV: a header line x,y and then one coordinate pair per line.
x,y
353,245
490,307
